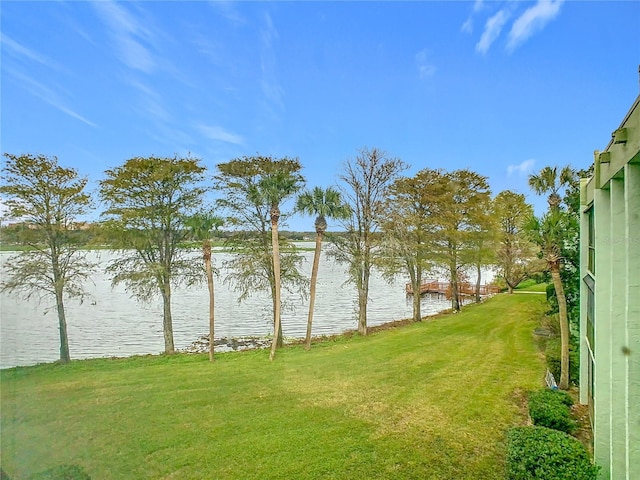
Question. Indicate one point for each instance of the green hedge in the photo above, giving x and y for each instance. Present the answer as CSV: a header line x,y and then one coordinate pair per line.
x,y
550,408
539,453
552,354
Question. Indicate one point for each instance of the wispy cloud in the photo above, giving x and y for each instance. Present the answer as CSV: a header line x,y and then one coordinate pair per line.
x,y
467,26
214,132
228,11
151,104
129,36
20,51
492,30
533,19
269,83
522,169
478,5
47,95
426,68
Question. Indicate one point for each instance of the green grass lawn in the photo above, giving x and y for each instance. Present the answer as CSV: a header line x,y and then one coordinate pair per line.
x,y
531,286
426,401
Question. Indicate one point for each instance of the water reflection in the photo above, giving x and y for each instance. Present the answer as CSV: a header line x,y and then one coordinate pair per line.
x,y
113,324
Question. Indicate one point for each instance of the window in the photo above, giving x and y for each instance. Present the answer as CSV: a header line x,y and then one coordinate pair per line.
x,y
590,334
589,282
591,266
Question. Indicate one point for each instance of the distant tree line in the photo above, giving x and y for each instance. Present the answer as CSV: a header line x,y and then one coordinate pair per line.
x,y
155,213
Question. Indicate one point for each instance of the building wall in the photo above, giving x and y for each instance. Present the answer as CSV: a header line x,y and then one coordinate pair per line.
x,y
610,351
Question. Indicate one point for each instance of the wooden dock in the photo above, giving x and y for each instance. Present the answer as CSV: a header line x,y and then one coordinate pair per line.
x,y
444,288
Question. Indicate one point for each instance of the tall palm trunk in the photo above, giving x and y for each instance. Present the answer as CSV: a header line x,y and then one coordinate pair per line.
x,y
275,216
564,326
312,290
207,263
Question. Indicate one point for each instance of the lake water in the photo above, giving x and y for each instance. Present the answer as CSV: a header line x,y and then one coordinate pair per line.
x,y
113,324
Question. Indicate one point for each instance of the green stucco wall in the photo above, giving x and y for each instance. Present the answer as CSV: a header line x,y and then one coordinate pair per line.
x,y
614,195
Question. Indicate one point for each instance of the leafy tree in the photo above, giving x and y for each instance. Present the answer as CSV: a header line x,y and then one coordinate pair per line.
x,y
550,233
49,199
409,226
254,190
366,179
483,234
460,216
200,226
515,254
147,201
323,203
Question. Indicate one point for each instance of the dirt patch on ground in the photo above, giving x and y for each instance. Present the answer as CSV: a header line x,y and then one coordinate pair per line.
x,y
583,433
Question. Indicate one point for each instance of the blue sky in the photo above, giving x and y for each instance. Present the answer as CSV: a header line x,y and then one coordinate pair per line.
x,y
503,88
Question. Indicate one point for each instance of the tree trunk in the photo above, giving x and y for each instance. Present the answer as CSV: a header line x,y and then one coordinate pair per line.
x,y
62,321
62,318
510,289
167,321
455,300
478,280
312,289
362,311
564,327
207,264
276,274
417,315
363,297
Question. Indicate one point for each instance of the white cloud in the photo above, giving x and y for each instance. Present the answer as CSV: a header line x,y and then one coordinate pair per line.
x,y
269,83
426,69
522,169
128,35
533,19
214,132
47,95
467,26
20,51
492,30
227,10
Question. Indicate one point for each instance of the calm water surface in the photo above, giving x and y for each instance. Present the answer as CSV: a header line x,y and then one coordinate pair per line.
x,y
113,324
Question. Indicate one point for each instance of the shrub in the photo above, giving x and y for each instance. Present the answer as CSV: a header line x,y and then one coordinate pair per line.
x,y
539,453
552,355
550,408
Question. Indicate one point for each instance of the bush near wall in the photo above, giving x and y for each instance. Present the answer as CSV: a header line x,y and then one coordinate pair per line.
x,y
540,453
550,408
552,355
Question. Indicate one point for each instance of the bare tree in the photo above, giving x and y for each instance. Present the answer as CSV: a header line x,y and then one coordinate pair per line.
x,y
366,179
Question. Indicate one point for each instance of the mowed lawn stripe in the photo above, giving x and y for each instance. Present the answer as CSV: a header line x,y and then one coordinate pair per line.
x,y
427,400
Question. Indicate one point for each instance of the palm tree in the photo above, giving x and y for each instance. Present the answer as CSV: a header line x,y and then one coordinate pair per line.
x,y
273,189
548,232
324,204
549,181
201,225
